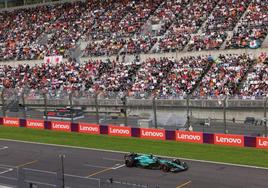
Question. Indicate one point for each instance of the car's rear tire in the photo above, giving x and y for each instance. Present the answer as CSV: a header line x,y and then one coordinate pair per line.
x,y
177,161
165,168
129,162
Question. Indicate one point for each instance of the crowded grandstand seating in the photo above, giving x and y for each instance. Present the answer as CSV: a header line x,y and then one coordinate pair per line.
x,y
189,19
164,16
150,75
225,76
164,77
137,16
253,28
113,46
256,84
105,47
207,41
20,29
124,26
66,30
226,14
139,45
172,42
107,23
183,76
223,18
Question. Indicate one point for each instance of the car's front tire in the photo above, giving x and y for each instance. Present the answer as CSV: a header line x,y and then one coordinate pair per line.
x,y
165,168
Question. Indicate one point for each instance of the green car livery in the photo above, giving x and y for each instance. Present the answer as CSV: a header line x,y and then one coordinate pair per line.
x,y
153,162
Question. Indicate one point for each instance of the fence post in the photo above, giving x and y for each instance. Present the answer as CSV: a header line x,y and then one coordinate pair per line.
x,y
154,109
188,112
97,108
125,109
60,183
21,178
265,117
224,115
23,105
3,103
71,106
45,104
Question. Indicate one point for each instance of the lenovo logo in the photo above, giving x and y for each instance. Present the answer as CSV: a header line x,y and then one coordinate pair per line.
x,y
228,140
61,126
189,136
262,142
35,124
232,140
11,122
93,129
89,128
152,134
119,131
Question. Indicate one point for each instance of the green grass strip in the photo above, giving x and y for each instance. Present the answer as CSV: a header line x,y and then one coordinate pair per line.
x,y
236,155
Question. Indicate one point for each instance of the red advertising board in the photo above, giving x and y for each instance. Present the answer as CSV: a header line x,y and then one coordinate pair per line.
x,y
262,142
229,140
61,126
119,131
35,124
13,122
155,134
186,136
89,128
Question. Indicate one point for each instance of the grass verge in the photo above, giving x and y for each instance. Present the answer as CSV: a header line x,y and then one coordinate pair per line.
x,y
236,155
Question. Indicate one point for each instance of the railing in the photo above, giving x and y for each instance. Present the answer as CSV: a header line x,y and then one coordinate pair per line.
x,y
228,114
27,177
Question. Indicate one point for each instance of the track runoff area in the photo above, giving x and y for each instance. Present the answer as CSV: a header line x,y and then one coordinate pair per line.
x,y
107,165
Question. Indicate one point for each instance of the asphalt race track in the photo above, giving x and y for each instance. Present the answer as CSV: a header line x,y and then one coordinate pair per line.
x,y
40,161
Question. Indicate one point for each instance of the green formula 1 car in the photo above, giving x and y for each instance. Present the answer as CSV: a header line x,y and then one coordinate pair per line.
x,y
153,162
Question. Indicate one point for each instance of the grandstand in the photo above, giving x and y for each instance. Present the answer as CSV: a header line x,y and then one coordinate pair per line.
x,y
171,66
103,28
145,29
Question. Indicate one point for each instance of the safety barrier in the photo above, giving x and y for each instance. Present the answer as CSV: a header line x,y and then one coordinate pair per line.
x,y
145,133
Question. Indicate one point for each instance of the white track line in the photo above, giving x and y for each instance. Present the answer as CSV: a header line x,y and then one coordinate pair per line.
x,y
118,166
5,186
5,171
131,184
3,148
42,171
96,166
52,172
123,152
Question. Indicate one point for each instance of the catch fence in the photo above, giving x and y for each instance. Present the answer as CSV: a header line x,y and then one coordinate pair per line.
x,y
232,115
